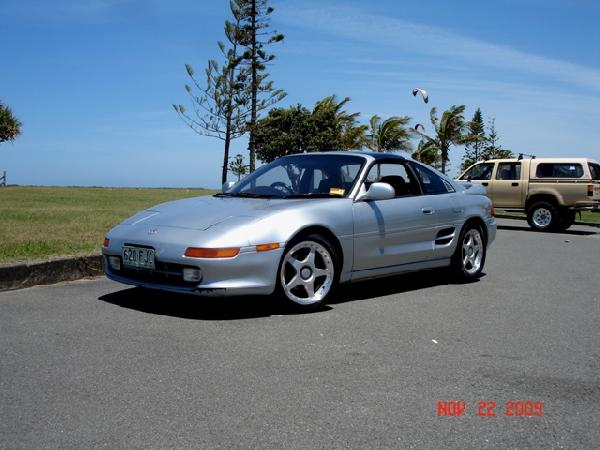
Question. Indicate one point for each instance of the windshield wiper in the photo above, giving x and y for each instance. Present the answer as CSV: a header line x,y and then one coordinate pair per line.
x,y
313,195
245,194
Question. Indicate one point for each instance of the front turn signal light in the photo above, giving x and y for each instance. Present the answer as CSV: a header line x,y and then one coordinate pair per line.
x,y
195,252
267,247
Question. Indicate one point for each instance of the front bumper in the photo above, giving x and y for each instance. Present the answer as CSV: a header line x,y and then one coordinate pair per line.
x,y
491,230
249,273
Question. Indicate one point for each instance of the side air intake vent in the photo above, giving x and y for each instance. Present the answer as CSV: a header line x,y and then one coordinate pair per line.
x,y
445,236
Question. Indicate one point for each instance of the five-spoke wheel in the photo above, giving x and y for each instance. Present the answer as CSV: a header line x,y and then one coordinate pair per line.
x,y
469,258
472,251
307,273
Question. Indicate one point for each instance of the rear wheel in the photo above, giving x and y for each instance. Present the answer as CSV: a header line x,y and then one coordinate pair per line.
x,y
308,272
542,216
469,257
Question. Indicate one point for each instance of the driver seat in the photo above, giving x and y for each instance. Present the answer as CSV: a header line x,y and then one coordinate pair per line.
x,y
398,183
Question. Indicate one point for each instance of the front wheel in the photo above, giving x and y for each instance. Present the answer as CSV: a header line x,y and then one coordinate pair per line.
x,y
469,257
308,272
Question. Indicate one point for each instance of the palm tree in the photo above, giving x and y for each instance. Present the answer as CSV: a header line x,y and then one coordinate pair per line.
x,y
450,130
390,134
10,126
427,154
352,135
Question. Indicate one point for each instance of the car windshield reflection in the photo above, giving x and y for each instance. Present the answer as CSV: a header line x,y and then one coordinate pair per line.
x,y
302,176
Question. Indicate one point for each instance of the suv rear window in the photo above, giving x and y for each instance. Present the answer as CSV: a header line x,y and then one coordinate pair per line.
x,y
595,171
559,170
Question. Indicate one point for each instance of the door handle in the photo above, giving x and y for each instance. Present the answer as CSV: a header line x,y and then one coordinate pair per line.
x,y
514,184
428,211
485,183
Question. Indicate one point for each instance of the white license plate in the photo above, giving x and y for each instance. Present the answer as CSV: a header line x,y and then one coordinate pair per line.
x,y
139,258
596,192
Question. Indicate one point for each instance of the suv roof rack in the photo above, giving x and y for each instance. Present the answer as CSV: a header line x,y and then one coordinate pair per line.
x,y
525,154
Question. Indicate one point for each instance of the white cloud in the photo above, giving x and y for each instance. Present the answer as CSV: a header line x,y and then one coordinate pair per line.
x,y
418,40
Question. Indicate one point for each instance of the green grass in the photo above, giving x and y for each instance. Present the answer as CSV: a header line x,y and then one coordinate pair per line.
x,y
40,222
586,216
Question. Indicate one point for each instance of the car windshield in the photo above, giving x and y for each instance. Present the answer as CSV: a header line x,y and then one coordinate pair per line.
x,y
298,176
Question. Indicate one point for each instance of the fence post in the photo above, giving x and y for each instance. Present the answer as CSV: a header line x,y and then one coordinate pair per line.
x,y
3,179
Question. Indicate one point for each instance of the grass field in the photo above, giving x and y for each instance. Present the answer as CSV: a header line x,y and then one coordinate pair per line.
x,y
39,222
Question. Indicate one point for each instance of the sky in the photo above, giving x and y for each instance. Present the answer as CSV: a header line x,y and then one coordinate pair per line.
x,y
93,81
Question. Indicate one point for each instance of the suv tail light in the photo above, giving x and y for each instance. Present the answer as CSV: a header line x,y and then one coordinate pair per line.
x,y
590,190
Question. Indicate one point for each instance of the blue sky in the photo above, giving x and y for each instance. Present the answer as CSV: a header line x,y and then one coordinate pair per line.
x,y
93,80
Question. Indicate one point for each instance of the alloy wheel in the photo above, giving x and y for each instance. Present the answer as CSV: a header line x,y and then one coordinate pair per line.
x,y
307,273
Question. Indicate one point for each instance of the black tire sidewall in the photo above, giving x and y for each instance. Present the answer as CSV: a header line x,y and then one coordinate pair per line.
x,y
565,220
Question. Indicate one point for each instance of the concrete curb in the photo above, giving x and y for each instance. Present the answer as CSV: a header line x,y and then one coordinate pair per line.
x,y
508,216
17,276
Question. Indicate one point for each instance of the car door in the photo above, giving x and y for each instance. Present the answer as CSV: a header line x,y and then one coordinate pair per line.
x,y
393,232
481,173
508,187
446,210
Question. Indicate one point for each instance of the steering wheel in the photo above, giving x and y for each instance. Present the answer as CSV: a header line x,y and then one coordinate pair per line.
x,y
281,186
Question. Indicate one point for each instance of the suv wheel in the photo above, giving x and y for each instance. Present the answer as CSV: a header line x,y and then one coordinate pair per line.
x,y
542,216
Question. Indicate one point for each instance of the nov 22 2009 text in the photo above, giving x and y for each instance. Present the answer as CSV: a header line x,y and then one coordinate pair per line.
x,y
489,408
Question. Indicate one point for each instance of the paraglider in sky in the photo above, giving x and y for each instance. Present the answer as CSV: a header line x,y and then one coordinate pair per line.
x,y
423,93
420,128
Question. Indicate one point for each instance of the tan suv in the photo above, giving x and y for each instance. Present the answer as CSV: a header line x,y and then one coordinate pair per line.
x,y
549,190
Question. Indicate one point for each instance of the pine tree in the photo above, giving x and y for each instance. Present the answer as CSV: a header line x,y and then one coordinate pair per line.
x,y
492,149
222,106
257,36
474,150
237,166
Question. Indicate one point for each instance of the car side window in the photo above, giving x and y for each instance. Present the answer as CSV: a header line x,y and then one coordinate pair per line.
x,y
595,171
481,171
396,175
508,171
559,170
431,183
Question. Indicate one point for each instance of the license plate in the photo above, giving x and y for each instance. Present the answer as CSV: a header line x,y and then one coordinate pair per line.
x,y
138,258
596,192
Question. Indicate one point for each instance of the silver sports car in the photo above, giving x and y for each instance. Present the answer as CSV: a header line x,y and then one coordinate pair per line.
x,y
304,223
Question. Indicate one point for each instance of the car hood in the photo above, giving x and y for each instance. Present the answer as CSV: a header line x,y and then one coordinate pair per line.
x,y
201,213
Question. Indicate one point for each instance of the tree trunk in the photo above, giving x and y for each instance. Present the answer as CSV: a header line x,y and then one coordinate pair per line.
x,y
444,158
226,151
254,90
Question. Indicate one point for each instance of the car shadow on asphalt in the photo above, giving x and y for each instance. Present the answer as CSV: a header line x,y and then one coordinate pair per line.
x,y
527,229
196,308
397,284
252,307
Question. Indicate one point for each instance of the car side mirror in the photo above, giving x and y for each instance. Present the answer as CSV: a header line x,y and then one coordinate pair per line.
x,y
227,185
377,191
469,178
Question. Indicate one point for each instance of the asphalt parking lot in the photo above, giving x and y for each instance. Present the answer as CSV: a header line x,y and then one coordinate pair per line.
x,y
96,364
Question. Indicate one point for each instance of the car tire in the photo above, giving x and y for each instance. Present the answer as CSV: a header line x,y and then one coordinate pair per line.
x,y
565,220
469,257
308,273
542,216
